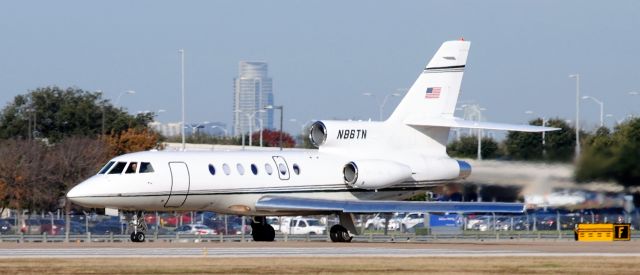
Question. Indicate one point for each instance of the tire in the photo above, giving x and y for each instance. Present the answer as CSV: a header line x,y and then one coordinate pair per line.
x,y
140,237
262,232
270,233
133,238
339,234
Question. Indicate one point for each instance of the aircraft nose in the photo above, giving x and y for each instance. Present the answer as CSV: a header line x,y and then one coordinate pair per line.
x,y
82,190
76,192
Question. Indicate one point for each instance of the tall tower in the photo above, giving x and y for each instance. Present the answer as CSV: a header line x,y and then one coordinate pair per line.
x,y
253,90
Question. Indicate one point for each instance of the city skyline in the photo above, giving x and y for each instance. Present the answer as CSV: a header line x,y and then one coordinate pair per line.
x,y
253,91
521,54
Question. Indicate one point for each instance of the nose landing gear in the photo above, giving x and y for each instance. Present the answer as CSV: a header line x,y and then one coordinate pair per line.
x,y
139,226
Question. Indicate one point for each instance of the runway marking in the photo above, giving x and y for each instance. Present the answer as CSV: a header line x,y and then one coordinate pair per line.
x,y
283,252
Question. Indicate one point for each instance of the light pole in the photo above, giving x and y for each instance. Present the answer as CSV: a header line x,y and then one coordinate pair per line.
x,y
477,110
544,121
611,116
577,150
250,118
261,127
241,130
281,108
224,130
181,51
381,104
129,92
101,107
601,108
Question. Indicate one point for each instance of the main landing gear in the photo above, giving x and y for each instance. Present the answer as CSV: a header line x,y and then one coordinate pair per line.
x,y
261,230
138,225
339,234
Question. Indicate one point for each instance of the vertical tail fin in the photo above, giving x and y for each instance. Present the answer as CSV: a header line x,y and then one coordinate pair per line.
x,y
435,92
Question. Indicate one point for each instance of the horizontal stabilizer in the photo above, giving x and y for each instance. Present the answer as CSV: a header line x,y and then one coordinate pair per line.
x,y
454,122
289,204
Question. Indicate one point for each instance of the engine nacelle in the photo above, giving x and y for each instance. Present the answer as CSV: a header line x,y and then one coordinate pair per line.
x,y
375,174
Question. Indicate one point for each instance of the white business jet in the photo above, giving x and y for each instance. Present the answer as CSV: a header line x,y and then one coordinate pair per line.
x,y
359,166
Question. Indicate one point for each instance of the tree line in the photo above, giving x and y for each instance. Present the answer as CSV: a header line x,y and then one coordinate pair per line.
x,y
52,138
606,154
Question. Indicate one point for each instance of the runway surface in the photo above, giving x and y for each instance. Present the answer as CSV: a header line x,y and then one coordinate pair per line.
x,y
304,249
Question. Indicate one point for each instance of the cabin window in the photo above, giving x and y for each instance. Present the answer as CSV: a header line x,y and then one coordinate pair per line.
x,y
132,169
146,167
212,169
296,169
226,169
254,169
106,167
118,168
268,168
282,168
240,169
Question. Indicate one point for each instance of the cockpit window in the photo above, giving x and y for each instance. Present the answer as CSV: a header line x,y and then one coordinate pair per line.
x,y
106,167
133,168
146,167
117,169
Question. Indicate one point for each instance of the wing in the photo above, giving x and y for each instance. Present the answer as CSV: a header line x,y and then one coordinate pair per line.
x,y
290,204
455,122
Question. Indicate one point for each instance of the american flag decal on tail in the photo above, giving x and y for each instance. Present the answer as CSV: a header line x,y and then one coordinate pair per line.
x,y
433,92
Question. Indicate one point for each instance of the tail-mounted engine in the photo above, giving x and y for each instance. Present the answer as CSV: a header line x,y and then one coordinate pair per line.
x,y
375,174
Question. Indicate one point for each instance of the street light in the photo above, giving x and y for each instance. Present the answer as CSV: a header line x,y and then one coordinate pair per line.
x,y
221,128
241,130
601,108
181,51
129,92
381,104
478,114
544,121
250,119
577,150
281,108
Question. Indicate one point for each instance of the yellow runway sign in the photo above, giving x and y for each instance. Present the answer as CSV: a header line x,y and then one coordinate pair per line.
x,y
603,232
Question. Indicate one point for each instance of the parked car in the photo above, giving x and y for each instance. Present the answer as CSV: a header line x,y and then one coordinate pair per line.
x,y
301,225
31,226
173,220
378,223
6,226
198,229
108,226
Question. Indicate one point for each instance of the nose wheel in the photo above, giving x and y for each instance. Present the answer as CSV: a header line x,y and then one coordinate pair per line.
x,y
139,226
138,237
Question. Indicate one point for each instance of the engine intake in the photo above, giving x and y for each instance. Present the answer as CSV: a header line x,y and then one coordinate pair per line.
x,y
375,174
318,133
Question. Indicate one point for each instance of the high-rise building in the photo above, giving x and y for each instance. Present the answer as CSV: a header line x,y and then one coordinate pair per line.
x,y
253,90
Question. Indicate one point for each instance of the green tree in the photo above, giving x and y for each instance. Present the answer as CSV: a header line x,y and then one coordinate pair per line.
x,y
559,145
53,113
467,147
612,156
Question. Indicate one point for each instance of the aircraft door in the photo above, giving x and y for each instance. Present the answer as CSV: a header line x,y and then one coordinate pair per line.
x,y
180,184
281,167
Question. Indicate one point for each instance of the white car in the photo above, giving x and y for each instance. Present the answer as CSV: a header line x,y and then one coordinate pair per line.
x,y
198,229
377,223
301,225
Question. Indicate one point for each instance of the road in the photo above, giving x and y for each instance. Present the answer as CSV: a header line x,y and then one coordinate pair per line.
x,y
315,249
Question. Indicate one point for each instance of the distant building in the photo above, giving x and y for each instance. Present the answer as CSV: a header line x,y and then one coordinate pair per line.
x,y
168,129
253,90
173,129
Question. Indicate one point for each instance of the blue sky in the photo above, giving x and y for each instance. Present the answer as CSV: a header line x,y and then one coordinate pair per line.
x,y
324,54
